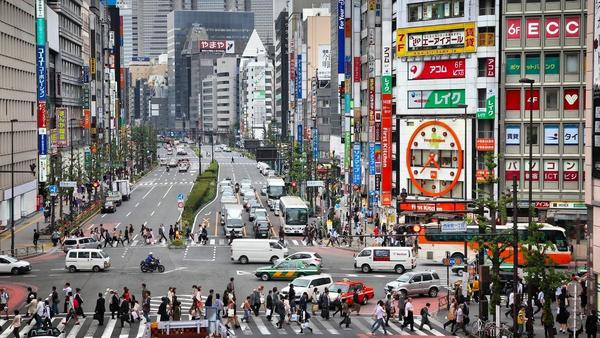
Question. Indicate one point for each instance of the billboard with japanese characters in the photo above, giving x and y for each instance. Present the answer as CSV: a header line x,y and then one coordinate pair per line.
x,y
425,99
436,40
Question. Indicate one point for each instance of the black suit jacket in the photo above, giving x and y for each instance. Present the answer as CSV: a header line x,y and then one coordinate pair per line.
x,y
100,306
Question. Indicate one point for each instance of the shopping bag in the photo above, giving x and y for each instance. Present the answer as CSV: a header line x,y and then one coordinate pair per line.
x,y
230,313
294,318
268,312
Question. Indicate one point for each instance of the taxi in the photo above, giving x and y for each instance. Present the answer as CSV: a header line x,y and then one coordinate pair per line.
x,y
286,270
347,287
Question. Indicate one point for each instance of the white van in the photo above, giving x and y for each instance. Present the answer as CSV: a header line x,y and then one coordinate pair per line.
x,y
245,250
393,258
87,259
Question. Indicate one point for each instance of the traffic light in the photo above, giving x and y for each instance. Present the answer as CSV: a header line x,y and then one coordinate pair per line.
x,y
414,229
294,184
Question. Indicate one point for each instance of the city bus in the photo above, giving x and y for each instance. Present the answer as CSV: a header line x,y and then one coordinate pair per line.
x,y
433,243
275,189
294,214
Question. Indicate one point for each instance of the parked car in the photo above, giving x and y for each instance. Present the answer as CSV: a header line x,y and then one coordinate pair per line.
x,y
416,283
12,265
80,243
108,206
310,258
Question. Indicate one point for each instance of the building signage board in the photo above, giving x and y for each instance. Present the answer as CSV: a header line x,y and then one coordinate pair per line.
x,y
571,99
223,46
42,141
315,143
341,38
551,170
481,175
430,99
535,170
513,28
513,99
324,66
435,40
595,137
310,184
300,136
571,134
485,144
43,168
42,114
512,168
61,127
513,134
570,170
299,77
371,159
513,65
551,134
490,106
347,148
41,72
453,226
436,69
356,164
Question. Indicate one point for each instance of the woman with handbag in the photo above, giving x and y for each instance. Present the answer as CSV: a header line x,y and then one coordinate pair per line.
x,y
314,299
232,321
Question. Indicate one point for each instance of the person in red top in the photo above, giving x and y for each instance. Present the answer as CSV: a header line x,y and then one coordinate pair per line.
x,y
376,232
126,295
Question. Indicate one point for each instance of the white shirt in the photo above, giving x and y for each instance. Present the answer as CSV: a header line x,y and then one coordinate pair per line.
x,y
67,290
511,298
408,307
40,309
540,297
379,312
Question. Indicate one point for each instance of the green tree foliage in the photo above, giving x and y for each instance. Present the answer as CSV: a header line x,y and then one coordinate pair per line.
x,y
298,170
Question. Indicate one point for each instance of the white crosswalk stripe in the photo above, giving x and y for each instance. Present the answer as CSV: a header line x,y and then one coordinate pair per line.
x,y
216,241
256,326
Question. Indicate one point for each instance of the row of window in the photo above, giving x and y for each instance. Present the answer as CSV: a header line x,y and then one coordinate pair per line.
x,y
17,17
554,99
554,134
17,48
24,140
436,10
71,91
536,5
70,69
548,174
17,79
72,6
70,47
70,26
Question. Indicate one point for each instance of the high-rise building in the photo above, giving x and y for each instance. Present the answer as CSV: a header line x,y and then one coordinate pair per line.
x,y
263,21
282,90
17,101
151,16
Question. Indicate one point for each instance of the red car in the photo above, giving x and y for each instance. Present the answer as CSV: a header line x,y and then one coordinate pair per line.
x,y
347,288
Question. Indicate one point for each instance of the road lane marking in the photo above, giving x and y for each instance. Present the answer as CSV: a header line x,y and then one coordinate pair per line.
x,y
176,269
91,226
212,241
103,215
165,195
217,223
116,226
74,331
158,205
129,213
109,328
152,214
141,329
148,192
261,325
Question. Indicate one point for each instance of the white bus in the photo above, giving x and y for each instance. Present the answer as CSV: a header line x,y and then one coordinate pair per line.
x,y
275,189
294,214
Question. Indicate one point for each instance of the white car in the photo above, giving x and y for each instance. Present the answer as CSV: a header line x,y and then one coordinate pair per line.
x,y
49,332
163,161
12,265
308,284
310,258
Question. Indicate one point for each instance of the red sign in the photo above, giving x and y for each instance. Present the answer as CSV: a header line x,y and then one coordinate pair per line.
x,y
481,175
386,149
219,45
490,67
535,176
571,99
572,27
357,69
41,109
513,29
485,144
432,207
542,204
570,176
552,28
436,69
292,67
513,99
533,28
532,101
551,176
86,123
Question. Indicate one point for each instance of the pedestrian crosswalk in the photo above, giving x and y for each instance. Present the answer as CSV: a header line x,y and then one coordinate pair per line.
x,y
147,184
256,326
212,241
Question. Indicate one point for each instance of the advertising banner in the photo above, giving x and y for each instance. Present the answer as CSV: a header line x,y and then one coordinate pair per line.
x,y
485,144
41,72
378,158
513,65
572,26
341,15
315,143
300,137
533,28
371,105
552,28
371,159
356,164
532,64
42,114
551,134
386,157
436,69
42,141
535,171
551,64
571,100
356,70
435,40
299,77
324,66
450,98
490,106
347,147
571,134
551,170
512,168
87,119
570,170
513,28
43,164
513,134
513,99
481,175
222,46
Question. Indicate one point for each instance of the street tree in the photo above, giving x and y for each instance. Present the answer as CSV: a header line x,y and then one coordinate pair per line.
x,y
298,172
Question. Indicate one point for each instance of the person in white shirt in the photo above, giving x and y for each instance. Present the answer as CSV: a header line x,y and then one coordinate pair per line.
x,y
379,314
67,289
408,315
39,313
16,324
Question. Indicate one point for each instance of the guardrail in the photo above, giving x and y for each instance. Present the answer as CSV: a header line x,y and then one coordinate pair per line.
x,y
24,252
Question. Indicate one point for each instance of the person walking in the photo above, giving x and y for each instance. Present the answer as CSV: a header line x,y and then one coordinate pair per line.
x,y
345,314
161,234
100,309
124,312
163,313
269,305
146,305
37,315
4,296
325,303
231,286
46,314
539,301
292,297
451,316
255,302
114,304
36,237
71,305
520,321
389,309
355,302
379,314
66,290
247,309
54,300
16,324
409,315
425,317
460,320
591,324
79,308
231,236
475,289
280,310
126,237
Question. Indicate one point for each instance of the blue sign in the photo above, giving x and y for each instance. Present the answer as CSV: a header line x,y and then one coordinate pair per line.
x,y
371,159
299,77
40,61
341,41
180,196
315,143
43,144
85,74
300,137
53,189
356,164
452,261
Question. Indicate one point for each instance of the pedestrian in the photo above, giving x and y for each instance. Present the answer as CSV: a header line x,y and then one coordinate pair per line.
x,y
332,237
269,305
79,308
520,320
16,324
451,316
324,304
161,234
115,238
304,319
100,309
176,309
54,300
114,304
231,317
511,304
231,236
539,301
4,296
280,310
39,312
355,302
529,321
71,305
314,300
36,237
292,297
389,309
475,289
126,237
408,315
136,311
425,317
124,313
401,305
162,310
146,306
247,309
337,303
171,232
379,314
460,320
345,313
231,286
591,324
255,302
66,290
46,314
130,230
31,306
209,298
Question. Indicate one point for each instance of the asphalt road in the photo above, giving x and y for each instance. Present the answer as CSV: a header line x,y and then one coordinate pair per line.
x,y
154,202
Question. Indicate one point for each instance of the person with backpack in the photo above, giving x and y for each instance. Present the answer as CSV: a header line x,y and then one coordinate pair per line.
x,y
425,317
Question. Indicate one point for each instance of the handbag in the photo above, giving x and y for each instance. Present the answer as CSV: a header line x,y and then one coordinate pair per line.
x,y
230,313
268,312
315,307
294,318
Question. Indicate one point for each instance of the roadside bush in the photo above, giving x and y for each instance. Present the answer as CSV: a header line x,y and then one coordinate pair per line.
x,y
204,191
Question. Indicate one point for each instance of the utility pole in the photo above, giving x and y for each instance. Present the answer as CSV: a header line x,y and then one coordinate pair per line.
x,y
515,256
12,186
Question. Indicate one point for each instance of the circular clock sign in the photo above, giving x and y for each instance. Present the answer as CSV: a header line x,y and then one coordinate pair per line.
x,y
431,177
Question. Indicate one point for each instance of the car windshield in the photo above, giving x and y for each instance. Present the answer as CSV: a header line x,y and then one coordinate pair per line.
x,y
404,278
261,214
338,286
10,259
300,282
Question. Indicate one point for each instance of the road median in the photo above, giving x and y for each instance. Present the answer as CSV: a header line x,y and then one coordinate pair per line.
x,y
203,191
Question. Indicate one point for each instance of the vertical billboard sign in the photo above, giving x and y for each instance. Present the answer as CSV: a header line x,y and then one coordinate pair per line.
x,y
61,127
299,77
595,137
40,28
315,143
386,103
356,164
341,36
299,136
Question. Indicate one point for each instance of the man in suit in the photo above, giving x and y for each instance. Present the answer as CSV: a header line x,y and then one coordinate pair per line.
x,y
100,309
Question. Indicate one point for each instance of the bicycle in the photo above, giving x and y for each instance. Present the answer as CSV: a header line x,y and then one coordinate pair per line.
x,y
505,331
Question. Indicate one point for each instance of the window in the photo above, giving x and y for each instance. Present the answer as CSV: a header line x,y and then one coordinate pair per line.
x,y
72,254
84,254
532,64
534,135
481,97
95,254
365,253
436,10
572,63
551,98
487,7
416,279
486,36
481,67
513,64
552,64
427,278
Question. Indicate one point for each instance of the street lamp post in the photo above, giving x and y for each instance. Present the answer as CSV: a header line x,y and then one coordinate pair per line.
x,y
71,164
12,188
465,186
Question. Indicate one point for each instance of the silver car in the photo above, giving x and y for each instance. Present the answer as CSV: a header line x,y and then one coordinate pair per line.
x,y
80,243
416,283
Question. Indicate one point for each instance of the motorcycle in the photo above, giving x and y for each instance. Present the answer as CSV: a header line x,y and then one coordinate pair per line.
x,y
152,267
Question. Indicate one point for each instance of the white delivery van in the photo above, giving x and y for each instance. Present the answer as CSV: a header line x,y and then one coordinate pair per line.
x,y
393,258
225,201
122,186
246,250
87,259
234,220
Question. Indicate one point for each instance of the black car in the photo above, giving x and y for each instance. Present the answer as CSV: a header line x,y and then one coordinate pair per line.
x,y
262,229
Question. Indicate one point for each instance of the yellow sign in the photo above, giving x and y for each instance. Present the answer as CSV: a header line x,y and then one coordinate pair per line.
x,y
435,40
93,66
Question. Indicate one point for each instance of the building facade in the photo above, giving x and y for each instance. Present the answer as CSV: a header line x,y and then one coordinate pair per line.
x,y
281,74
17,102
263,21
544,42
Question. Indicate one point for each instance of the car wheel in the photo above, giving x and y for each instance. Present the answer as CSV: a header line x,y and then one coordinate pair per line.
x,y
365,300
96,268
460,272
365,268
399,269
404,293
265,276
244,260
433,292
274,259
14,271
72,268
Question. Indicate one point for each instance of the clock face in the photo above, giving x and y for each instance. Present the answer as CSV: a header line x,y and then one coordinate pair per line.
x,y
434,158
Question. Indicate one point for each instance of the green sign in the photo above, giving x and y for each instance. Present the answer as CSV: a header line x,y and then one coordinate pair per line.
x,y
347,149
532,65
88,158
443,98
513,65
552,65
386,84
490,109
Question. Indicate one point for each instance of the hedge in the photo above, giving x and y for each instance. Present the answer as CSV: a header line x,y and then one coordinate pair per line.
x,y
204,191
